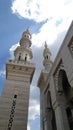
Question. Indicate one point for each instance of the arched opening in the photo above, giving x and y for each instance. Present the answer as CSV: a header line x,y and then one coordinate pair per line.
x,y
19,58
64,84
65,91
47,57
25,57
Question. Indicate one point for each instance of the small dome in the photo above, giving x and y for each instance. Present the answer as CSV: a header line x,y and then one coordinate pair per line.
x,y
26,39
26,33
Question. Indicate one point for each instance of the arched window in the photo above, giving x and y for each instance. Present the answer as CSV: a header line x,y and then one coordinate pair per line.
x,y
19,58
27,36
47,57
63,83
26,57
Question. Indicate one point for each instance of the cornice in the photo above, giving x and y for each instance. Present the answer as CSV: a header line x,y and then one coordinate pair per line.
x,y
13,68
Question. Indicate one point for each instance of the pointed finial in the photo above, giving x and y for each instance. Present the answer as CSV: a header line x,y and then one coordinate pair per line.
x,y
27,30
45,44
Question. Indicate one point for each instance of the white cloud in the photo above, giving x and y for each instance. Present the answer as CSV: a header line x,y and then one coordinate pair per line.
x,y
41,10
11,50
49,31
2,73
28,127
14,47
53,12
34,105
34,109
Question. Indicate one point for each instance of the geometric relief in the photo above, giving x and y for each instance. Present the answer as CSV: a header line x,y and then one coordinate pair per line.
x,y
56,76
71,45
12,113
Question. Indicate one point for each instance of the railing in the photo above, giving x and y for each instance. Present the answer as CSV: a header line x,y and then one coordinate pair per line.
x,y
20,62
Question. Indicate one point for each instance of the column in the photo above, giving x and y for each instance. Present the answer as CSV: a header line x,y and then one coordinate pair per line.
x,y
61,118
48,119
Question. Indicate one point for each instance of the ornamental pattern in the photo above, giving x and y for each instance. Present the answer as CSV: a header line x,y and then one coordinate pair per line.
x,y
71,46
56,76
12,113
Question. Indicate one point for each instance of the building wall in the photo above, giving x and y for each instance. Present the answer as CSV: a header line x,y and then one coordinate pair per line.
x,y
60,86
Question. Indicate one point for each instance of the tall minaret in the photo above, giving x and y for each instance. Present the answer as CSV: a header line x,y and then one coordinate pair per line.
x,y
15,97
41,84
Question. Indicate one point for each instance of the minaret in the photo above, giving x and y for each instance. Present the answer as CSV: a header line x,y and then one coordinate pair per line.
x,y
47,66
15,97
41,84
47,62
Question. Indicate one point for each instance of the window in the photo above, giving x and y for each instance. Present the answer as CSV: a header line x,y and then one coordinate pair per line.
x,y
26,57
19,58
47,57
15,96
12,113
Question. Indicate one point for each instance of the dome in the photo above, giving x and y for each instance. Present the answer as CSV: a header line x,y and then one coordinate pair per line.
x,y
26,33
26,38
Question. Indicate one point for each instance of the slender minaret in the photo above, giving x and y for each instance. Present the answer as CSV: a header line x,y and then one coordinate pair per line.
x,y
47,61
15,97
41,84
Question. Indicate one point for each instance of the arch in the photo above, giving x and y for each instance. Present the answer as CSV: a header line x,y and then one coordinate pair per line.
x,y
25,57
19,58
46,56
65,91
63,83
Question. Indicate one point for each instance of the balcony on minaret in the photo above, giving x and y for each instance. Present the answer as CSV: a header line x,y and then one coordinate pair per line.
x,y
20,63
23,53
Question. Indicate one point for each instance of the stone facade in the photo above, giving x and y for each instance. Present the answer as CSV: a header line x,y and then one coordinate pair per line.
x,y
56,91
15,97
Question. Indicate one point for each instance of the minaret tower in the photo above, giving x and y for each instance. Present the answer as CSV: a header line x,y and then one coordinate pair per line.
x,y
41,84
15,97
47,62
47,67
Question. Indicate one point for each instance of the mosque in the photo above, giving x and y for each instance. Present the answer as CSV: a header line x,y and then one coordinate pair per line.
x,y
55,83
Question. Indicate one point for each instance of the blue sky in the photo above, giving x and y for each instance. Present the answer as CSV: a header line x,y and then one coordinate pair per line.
x,y
48,21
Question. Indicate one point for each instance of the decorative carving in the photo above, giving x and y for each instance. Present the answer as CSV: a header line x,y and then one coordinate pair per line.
x,y
71,45
56,77
12,113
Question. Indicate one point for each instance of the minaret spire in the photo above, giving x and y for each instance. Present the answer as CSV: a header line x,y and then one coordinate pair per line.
x,y
47,54
45,44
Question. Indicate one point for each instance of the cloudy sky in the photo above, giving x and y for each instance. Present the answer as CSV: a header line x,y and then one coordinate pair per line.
x,y
48,20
